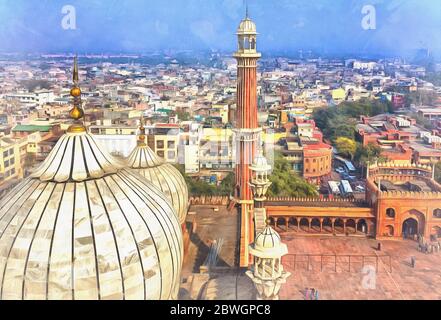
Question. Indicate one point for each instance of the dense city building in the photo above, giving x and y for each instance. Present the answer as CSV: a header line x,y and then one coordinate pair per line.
x,y
401,139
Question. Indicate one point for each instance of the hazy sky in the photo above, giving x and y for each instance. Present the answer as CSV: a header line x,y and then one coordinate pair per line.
x,y
324,26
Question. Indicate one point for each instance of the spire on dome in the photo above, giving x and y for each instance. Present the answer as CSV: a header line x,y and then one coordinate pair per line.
x,y
75,77
77,112
141,136
246,10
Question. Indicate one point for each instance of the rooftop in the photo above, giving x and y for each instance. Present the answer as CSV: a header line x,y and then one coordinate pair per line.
x,y
414,185
31,128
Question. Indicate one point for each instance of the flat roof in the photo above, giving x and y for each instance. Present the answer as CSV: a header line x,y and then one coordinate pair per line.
x,y
31,128
413,185
367,128
424,148
430,110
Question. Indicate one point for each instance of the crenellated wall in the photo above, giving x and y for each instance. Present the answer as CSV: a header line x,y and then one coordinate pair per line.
x,y
334,200
410,195
209,200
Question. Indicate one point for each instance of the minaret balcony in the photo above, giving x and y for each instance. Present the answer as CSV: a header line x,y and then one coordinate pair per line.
x,y
247,54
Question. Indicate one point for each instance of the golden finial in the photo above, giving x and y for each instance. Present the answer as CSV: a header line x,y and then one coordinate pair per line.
x,y
77,112
141,137
75,77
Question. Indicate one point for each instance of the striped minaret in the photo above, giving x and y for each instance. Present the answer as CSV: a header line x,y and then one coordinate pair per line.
x,y
247,131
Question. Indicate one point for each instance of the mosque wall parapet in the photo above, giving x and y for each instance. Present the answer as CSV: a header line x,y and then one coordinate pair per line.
x,y
210,200
312,199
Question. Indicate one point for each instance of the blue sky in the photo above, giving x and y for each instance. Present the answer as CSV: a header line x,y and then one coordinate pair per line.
x,y
324,26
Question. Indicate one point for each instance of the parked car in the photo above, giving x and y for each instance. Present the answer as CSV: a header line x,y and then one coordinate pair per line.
x,y
340,170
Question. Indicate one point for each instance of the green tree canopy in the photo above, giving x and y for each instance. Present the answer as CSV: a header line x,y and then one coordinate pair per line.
x,y
226,186
198,187
285,183
346,146
365,154
340,121
438,172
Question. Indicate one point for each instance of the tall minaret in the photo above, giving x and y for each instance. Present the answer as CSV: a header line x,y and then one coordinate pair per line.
x,y
247,131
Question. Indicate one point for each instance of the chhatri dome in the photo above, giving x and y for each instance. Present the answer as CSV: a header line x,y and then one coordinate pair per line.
x,y
247,26
84,227
163,175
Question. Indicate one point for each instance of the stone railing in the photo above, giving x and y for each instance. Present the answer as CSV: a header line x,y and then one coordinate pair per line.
x,y
209,200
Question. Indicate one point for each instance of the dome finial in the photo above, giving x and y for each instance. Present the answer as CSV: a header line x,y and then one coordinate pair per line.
x,y
75,77
246,10
77,112
141,137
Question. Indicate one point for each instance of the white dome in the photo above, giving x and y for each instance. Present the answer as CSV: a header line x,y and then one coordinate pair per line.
x,y
268,244
267,239
247,26
260,163
82,227
163,175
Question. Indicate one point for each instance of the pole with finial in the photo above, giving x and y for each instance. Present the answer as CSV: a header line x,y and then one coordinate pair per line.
x,y
77,112
141,137
245,4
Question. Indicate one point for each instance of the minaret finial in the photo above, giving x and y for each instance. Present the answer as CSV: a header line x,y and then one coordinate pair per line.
x,y
77,112
246,9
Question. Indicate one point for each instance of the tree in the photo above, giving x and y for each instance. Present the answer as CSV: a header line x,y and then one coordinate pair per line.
x,y
346,146
183,115
31,85
227,185
365,154
340,126
284,183
287,184
340,121
201,188
420,97
438,172
197,187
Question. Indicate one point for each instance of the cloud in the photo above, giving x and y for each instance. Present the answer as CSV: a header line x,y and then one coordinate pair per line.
x,y
161,27
204,30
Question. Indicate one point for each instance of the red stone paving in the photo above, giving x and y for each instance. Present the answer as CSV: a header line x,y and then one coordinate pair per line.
x,y
403,282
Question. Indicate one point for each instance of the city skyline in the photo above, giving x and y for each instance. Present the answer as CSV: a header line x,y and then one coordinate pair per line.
x,y
285,27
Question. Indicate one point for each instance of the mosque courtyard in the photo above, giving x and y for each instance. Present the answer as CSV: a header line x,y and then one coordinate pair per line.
x,y
387,273
395,278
